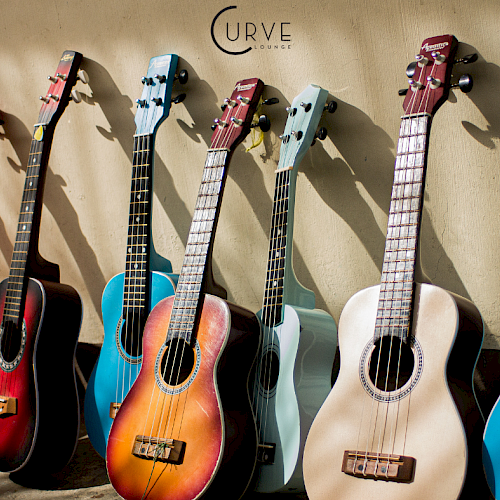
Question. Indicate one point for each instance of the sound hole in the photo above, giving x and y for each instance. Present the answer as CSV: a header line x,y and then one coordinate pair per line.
x,y
177,362
269,370
11,342
131,334
394,362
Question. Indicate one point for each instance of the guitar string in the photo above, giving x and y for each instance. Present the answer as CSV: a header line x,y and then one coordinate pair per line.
x,y
401,242
175,308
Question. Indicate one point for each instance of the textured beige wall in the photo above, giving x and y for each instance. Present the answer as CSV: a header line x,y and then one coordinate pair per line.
x,y
358,50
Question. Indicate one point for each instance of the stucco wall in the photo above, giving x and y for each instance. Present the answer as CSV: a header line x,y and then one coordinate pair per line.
x,y
358,50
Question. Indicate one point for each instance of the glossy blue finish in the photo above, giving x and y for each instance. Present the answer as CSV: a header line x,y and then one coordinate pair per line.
x,y
491,450
113,376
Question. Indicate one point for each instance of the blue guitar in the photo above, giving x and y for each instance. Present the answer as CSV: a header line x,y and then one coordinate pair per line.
x,y
298,342
129,296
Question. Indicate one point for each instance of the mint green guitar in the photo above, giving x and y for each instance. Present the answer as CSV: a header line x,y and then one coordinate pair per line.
x,y
298,342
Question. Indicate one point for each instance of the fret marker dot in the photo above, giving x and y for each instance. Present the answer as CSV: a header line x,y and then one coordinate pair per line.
x,y
130,250
137,219
275,283
136,266
138,196
31,184
24,227
143,249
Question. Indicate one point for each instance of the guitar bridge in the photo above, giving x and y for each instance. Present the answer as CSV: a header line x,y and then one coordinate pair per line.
x,y
380,466
170,451
113,409
266,452
8,406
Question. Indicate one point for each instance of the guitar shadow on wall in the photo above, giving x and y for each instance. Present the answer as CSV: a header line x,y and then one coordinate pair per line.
x,y
244,170
63,212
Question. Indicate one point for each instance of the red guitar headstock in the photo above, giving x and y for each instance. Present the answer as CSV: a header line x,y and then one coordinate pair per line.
x,y
430,82
59,92
234,125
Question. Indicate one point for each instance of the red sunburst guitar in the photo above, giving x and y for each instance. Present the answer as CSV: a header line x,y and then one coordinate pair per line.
x,y
401,421
39,410
186,428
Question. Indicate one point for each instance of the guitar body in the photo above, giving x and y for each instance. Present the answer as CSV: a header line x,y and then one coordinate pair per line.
x,y
115,371
491,450
212,412
302,349
437,422
42,436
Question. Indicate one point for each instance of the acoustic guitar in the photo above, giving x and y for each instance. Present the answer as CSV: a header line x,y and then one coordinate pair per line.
x,y
129,296
39,409
298,342
401,421
186,428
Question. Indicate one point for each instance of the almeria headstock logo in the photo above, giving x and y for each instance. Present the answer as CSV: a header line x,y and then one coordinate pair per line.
x,y
236,36
242,88
435,46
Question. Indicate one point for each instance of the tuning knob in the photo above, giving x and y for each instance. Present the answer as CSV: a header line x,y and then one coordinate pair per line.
x,y
75,96
146,80
82,76
415,85
44,99
291,111
410,69
182,76
438,57
213,127
331,107
141,102
298,135
434,83
321,134
237,121
62,76
264,123
157,100
244,100
53,96
161,78
53,79
178,99
421,60
465,83
306,106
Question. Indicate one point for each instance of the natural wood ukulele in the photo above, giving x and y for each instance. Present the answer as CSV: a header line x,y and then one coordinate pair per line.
x,y
401,421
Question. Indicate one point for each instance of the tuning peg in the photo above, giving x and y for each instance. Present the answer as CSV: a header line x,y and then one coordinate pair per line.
x,y
434,83
264,123
331,107
410,69
244,100
228,102
469,59
291,111
160,78
237,121
44,99
182,76
415,85
146,80
220,123
141,102
62,76
157,100
298,135
53,96
178,99
53,79
213,127
465,83
271,101
82,76
75,96
284,138
306,106
421,60
438,57
321,134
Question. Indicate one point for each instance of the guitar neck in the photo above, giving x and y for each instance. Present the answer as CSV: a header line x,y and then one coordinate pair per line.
x,y
401,248
28,227
281,235
199,246
137,266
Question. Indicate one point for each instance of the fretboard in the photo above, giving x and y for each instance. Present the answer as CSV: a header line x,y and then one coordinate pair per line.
x,y
273,293
200,240
400,256
27,234
136,286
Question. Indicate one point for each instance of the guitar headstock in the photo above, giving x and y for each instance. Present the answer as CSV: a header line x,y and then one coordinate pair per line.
x,y
430,81
59,93
154,105
300,128
234,125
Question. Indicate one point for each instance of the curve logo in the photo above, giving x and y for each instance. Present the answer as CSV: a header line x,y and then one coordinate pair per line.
x,y
260,36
